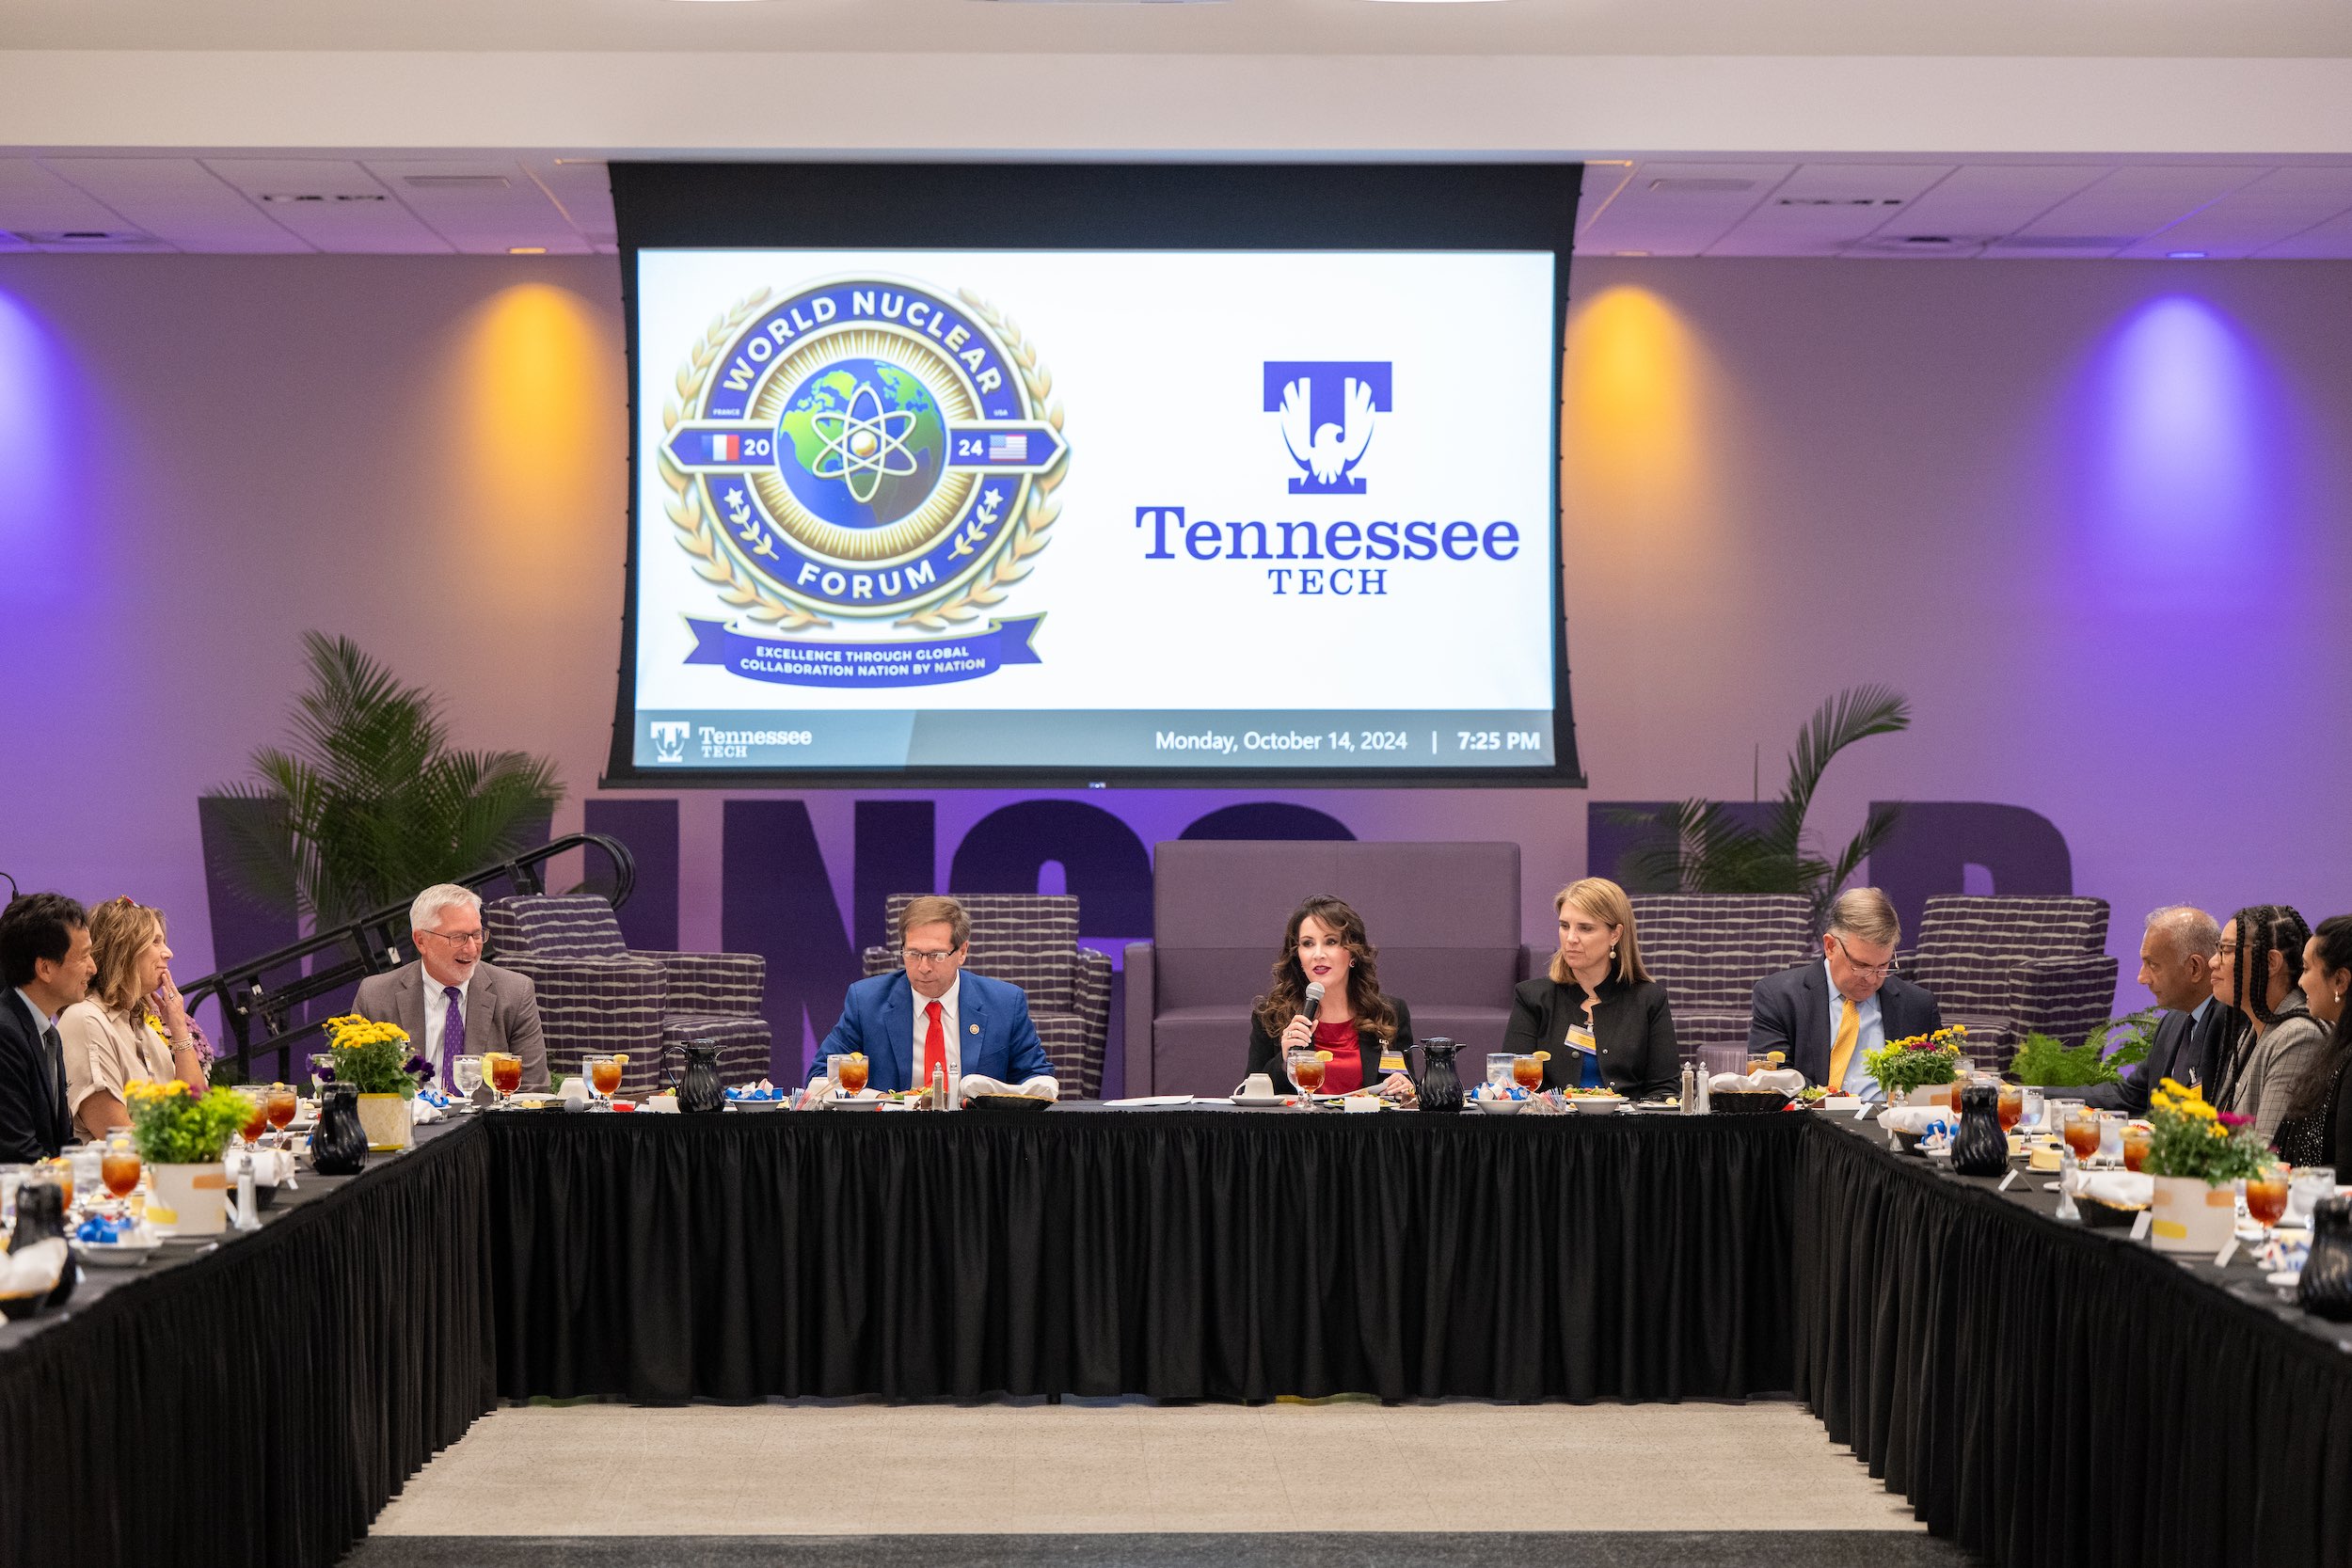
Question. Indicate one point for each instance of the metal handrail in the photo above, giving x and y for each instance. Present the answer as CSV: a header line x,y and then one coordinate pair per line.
x,y
254,995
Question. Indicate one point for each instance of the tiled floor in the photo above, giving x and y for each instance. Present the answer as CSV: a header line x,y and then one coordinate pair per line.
x,y
1109,1469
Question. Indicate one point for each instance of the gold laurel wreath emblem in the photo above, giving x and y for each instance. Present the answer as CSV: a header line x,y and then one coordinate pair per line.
x,y
698,534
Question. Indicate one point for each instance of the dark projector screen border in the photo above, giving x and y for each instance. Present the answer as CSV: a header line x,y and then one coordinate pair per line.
x,y
1117,206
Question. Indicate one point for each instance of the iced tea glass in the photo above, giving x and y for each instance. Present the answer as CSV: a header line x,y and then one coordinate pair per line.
x,y
257,1113
604,1075
1306,1069
2082,1133
854,1071
1527,1073
2136,1140
119,1167
2012,1106
506,1071
2266,1196
283,1104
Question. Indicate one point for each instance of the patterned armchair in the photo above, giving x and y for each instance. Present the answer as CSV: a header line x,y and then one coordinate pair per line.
x,y
595,995
1030,940
1709,950
2007,967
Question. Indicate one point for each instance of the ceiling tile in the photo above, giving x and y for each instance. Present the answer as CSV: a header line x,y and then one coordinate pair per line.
x,y
2273,208
333,203
1670,209
32,200
2135,201
180,201
1978,201
1822,208
481,206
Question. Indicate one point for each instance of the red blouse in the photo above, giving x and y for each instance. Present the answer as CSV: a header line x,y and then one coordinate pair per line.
x,y
1345,1073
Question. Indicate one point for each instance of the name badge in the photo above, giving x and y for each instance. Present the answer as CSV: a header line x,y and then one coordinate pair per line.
x,y
1580,1039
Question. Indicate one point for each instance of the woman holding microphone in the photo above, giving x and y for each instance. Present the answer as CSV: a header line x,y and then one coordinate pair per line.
x,y
1326,946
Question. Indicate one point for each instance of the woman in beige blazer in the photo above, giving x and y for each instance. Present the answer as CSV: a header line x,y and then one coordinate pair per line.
x,y
132,1025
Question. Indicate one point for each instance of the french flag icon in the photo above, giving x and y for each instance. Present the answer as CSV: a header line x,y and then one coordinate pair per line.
x,y
727,449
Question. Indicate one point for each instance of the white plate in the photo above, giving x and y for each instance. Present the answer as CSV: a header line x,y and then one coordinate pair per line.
x,y
1260,1102
874,1105
1500,1107
758,1104
115,1255
1597,1104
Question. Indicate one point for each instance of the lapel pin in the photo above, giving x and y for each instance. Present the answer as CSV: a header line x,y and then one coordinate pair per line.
x,y
976,1028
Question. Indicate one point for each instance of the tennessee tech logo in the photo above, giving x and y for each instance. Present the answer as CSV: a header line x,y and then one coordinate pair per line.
x,y
669,738
865,448
1327,407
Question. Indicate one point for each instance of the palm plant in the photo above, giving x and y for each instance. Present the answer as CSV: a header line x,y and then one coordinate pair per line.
x,y
1705,848
367,803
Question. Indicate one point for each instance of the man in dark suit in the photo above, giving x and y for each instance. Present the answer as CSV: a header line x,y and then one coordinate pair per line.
x,y
46,966
931,1015
1793,1010
2176,954
452,1003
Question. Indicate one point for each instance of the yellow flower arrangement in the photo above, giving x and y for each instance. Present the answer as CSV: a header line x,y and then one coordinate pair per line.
x,y
372,1058
173,1125
2191,1138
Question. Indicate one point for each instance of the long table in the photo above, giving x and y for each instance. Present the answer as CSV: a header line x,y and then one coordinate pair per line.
x,y
2041,1393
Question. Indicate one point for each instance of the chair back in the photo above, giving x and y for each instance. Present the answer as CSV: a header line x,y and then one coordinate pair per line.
x,y
1029,940
553,926
1970,944
1709,949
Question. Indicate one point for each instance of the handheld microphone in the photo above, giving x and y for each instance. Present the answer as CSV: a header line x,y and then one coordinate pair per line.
x,y
1314,999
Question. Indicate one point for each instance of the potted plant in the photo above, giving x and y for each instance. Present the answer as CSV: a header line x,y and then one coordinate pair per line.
x,y
2049,1063
2197,1155
1923,1061
181,1136
374,1060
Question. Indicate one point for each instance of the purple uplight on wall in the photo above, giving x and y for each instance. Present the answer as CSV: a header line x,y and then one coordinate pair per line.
x,y
2183,441
35,456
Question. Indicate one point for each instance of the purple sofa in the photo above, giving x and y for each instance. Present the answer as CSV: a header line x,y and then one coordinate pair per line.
x,y
1444,917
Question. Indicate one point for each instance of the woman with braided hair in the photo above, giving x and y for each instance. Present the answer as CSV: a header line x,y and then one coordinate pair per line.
x,y
2318,1126
2255,973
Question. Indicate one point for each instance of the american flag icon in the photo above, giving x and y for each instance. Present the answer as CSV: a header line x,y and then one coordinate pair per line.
x,y
1009,449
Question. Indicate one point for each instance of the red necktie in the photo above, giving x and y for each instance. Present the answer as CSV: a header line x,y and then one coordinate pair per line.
x,y
934,1046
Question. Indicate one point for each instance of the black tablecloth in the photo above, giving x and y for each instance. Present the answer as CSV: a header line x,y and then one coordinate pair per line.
x,y
1189,1255
2050,1394
258,1404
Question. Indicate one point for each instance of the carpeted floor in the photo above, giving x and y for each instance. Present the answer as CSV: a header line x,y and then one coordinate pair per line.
x,y
1497,1549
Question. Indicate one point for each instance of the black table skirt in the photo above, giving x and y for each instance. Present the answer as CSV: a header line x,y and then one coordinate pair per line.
x,y
260,1403
1176,1255
2046,1394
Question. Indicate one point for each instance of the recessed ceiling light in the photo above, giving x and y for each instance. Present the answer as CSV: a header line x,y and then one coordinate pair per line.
x,y
526,251
2184,254
1629,253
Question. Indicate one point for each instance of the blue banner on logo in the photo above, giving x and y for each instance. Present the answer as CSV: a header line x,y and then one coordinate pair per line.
x,y
785,661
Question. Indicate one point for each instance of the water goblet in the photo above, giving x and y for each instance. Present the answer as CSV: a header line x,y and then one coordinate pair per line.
x,y
2111,1138
464,1076
1498,1068
2307,1186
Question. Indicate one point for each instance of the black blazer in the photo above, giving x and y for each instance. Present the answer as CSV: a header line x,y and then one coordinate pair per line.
x,y
1633,1032
1792,1014
2175,1052
33,1120
1266,1053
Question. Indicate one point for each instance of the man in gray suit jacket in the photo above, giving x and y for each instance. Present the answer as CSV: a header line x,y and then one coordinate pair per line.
x,y
452,1003
2176,955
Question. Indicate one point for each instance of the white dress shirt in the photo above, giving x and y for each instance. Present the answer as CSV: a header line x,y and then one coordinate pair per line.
x,y
1871,1038
436,1006
947,1028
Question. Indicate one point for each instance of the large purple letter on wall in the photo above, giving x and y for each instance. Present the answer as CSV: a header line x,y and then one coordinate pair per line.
x,y
778,902
1934,842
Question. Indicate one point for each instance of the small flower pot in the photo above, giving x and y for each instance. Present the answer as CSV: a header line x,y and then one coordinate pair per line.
x,y
198,1195
2190,1217
387,1121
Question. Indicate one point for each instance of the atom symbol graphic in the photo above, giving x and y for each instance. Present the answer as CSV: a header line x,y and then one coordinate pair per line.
x,y
862,446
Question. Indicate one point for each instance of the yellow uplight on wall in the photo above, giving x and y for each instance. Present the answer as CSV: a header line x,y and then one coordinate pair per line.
x,y
1633,449
539,423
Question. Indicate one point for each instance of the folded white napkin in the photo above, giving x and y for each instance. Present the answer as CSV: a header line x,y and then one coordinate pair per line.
x,y
1918,1118
270,1167
421,1111
34,1270
1040,1088
2128,1187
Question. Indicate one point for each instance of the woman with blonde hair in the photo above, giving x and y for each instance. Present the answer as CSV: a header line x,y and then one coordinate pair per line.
x,y
132,1025
1605,1022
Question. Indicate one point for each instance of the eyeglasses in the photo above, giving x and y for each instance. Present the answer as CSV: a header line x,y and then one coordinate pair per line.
x,y
1881,971
456,939
916,956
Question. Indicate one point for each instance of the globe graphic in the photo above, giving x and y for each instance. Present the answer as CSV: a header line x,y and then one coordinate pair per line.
x,y
862,443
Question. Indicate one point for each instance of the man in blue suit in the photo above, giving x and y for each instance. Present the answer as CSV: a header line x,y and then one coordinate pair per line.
x,y
930,1014
1826,1016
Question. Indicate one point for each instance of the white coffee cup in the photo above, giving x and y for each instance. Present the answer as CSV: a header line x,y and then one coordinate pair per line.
x,y
1258,1085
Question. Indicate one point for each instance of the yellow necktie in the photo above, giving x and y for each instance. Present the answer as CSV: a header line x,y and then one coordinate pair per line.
x,y
1841,1049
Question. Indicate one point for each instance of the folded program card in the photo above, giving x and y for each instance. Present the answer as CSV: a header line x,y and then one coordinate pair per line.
x,y
1040,1088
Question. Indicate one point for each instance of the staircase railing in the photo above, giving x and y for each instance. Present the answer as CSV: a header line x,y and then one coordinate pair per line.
x,y
261,999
